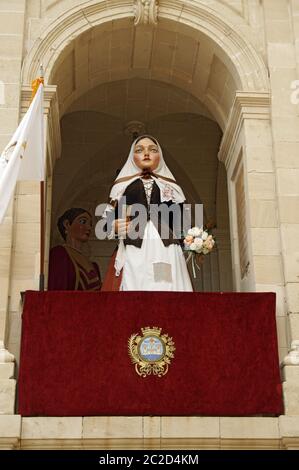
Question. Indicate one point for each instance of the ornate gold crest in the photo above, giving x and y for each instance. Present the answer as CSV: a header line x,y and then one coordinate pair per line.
x,y
152,352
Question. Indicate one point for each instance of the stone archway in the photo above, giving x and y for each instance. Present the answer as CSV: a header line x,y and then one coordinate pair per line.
x,y
242,59
228,64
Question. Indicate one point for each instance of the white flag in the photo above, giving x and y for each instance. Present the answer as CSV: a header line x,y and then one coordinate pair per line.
x,y
23,158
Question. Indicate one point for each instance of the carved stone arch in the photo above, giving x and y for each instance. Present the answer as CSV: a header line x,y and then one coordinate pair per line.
x,y
244,61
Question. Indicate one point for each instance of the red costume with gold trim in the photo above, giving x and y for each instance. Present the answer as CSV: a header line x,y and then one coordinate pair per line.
x,y
71,270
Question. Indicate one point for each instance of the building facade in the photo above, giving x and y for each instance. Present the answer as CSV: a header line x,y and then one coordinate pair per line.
x,y
217,82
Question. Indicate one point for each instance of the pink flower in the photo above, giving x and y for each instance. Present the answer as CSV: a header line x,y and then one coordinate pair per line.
x,y
209,244
188,240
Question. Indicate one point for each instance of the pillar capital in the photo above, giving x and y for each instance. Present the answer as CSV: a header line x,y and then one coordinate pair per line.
x,y
146,12
246,105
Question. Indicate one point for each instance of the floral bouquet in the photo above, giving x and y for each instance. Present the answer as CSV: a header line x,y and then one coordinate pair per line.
x,y
198,243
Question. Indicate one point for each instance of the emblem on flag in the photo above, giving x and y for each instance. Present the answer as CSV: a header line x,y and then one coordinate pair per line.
x,y
151,352
7,153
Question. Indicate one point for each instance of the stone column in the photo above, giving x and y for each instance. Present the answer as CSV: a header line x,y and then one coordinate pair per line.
x,y
247,152
282,34
11,46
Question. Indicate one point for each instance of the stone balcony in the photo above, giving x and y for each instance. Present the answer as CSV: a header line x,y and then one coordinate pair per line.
x,y
149,432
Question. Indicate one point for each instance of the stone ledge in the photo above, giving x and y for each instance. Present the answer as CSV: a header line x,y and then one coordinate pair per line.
x,y
288,426
152,427
190,443
190,427
290,443
89,444
9,443
137,432
158,444
52,444
249,428
112,427
10,426
52,428
120,444
250,444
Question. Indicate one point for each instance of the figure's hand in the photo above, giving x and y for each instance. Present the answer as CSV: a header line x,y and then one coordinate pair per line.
x,y
121,227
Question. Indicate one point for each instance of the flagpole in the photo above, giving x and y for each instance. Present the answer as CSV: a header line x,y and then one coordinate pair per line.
x,y
42,210
35,86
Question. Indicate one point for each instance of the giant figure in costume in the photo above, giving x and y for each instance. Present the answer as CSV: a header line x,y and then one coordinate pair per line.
x,y
69,268
149,262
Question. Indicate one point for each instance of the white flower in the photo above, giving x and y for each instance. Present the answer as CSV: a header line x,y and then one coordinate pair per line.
x,y
197,231
198,242
204,235
196,245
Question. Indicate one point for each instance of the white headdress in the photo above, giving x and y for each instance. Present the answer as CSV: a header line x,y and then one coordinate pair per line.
x,y
169,189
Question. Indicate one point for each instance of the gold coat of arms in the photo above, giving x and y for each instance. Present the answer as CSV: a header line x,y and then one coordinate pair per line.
x,y
151,352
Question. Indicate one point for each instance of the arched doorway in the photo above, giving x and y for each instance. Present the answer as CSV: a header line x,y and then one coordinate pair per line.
x,y
95,143
116,68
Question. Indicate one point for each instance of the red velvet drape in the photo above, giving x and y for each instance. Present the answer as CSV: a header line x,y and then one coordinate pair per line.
x,y
74,354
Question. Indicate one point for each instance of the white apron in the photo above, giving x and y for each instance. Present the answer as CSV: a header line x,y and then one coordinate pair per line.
x,y
155,267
